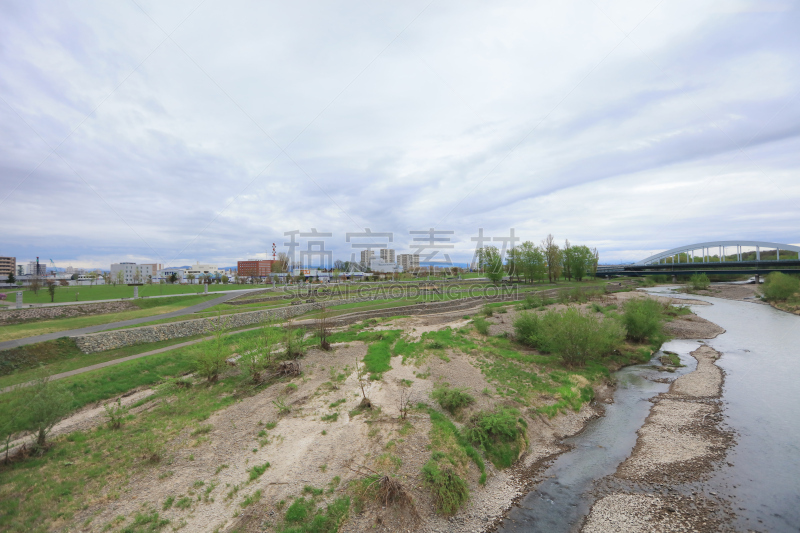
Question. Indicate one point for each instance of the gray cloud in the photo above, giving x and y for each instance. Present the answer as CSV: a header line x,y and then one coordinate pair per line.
x,y
542,118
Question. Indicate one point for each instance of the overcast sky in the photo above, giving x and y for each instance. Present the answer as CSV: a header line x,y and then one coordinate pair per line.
x,y
205,130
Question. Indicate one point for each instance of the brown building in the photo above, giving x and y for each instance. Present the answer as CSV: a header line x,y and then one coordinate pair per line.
x,y
255,268
8,265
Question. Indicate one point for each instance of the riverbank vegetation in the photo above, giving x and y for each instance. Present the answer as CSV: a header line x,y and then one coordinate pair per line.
x,y
549,365
782,291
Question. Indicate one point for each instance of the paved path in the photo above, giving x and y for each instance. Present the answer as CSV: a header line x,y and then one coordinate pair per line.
x,y
114,325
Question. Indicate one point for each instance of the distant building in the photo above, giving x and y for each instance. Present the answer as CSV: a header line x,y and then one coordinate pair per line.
x,y
254,268
8,265
409,262
31,269
133,273
199,271
166,273
386,255
367,256
378,265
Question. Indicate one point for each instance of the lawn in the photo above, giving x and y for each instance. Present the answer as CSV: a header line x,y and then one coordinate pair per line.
x,y
154,307
62,355
85,293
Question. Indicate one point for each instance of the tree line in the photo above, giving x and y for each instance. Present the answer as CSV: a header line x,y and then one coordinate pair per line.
x,y
530,262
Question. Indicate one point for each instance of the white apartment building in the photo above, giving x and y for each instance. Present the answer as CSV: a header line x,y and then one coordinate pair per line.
x,y
367,256
386,255
133,273
408,262
378,265
197,270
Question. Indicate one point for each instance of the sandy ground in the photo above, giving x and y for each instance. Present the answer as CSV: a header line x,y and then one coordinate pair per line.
x,y
692,327
747,292
681,441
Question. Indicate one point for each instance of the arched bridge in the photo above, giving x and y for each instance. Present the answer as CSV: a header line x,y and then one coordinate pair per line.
x,y
720,257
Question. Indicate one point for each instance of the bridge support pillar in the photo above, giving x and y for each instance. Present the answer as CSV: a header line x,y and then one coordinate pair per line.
x,y
758,279
674,278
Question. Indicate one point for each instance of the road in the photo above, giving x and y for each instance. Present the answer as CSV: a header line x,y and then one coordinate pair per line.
x,y
114,325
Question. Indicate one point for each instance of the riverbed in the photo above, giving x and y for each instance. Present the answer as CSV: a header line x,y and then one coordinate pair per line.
x,y
757,484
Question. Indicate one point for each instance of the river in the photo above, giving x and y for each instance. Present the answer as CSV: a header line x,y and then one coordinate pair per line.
x,y
760,477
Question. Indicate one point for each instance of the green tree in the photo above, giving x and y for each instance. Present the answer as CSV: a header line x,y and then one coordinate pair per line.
x,y
581,261
532,261
51,288
211,359
552,254
567,260
45,404
491,263
173,277
11,278
190,277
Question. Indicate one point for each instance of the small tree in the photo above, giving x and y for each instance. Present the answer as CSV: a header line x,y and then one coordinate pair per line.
x,y
190,277
225,278
257,355
36,284
120,278
173,278
211,359
51,288
11,278
46,403
323,329
12,413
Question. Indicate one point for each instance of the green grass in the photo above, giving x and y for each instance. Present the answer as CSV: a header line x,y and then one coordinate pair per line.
x,y
258,470
153,307
303,516
22,364
111,292
99,466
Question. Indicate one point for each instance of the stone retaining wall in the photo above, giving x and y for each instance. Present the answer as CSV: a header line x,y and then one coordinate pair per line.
x,y
63,311
109,340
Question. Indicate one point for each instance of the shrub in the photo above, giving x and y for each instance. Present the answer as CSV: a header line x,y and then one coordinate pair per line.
x,y
642,319
449,491
482,325
500,434
452,399
778,286
699,281
487,310
116,413
531,301
570,334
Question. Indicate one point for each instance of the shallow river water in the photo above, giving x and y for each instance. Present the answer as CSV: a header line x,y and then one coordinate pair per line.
x,y
761,402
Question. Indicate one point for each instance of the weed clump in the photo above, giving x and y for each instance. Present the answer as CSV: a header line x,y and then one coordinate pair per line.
x,y
452,399
302,516
449,491
500,434
482,325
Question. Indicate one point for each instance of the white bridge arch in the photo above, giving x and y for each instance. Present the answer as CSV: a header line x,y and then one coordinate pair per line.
x,y
720,246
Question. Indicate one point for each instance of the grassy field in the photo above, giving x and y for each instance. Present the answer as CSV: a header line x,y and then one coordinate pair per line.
x,y
87,293
154,307
26,363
